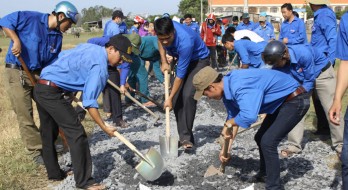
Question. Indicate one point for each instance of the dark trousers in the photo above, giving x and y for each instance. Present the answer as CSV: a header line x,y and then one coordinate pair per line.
x,y
184,104
115,96
273,129
55,112
212,55
344,155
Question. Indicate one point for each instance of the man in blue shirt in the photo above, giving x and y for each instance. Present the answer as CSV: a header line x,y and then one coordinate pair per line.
x,y
246,24
188,22
268,24
115,25
299,66
324,34
192,54
341,87
37,38
112,97
248,51
83,68
264,31
293,30
112,27
248,92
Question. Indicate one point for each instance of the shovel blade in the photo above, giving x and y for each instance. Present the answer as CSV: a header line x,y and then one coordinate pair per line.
x,y
168,146
211,171
151,171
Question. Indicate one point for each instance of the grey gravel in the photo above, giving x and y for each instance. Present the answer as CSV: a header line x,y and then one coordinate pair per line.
x,y
317,167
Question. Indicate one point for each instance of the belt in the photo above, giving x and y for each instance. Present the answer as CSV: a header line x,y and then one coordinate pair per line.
x,y
328,65
297,92
13,66
47,82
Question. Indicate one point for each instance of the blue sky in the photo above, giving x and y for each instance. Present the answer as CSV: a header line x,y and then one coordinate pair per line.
x,y
134,6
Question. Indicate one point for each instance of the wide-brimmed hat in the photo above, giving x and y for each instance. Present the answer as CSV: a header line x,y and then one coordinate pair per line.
x,y
203,79
123,45
135,40
245,15
319,2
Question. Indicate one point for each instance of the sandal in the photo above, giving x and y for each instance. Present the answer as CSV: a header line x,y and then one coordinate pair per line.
x,y
95,186
287,153
187,145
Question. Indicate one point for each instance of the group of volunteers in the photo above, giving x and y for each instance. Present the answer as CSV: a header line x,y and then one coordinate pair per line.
x,y
274,77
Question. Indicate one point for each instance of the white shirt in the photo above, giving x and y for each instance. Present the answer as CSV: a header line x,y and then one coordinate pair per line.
x,y
239,34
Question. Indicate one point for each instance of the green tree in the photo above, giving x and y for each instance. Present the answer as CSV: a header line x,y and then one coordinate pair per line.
x,y
340,13
309,11
193,7
95,13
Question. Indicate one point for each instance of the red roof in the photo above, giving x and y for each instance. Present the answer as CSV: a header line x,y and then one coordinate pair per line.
x,y
241,2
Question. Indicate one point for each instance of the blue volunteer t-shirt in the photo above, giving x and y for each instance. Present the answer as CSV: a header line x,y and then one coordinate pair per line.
x,y
40,45
248,92
83,68
187,46
342,39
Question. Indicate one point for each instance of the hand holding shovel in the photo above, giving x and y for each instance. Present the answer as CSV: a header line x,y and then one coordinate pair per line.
x,y
224,155
168,144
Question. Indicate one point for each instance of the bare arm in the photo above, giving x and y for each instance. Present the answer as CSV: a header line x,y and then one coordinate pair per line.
x,y
164,63
341,86
96,117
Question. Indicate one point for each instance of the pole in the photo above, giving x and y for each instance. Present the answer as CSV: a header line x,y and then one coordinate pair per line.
x,y
201,11
246,9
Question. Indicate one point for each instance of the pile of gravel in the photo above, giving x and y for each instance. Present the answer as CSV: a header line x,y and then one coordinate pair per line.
x,y
114,164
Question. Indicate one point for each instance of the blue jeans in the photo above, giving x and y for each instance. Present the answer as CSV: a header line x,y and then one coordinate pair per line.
x,y
344,155
273,129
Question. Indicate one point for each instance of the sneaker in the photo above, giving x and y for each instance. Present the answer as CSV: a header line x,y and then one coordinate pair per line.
x,y
121,124
38,160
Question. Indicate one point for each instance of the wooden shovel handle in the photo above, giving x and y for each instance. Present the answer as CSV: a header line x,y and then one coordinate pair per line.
x,y
133,99
225,153
25,68
132,147
166,91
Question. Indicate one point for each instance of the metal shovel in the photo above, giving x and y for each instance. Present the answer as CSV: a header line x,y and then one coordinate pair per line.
x,y
151,164
135,101
168,144
214,171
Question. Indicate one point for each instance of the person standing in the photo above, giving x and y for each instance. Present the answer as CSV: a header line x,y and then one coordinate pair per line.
x,y
293,30
115,25
247,93
27,30
184,44
209,33
112,27
138,20
264,31
246,24
188,22
341,87
83,68
323,38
